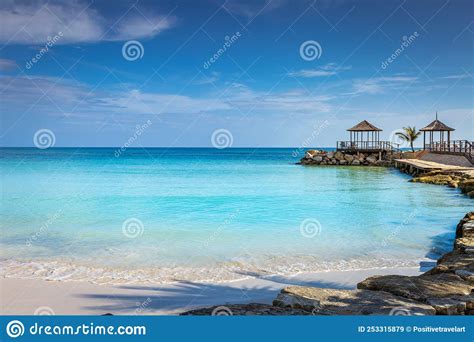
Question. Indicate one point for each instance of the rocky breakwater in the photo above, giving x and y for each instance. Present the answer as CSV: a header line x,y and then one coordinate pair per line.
x,y
321,157
447,289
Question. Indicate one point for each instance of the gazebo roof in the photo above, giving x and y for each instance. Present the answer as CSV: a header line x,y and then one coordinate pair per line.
x,y
364,126
436,126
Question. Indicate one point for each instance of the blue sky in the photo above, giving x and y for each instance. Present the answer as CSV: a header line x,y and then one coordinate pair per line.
x,y
262,87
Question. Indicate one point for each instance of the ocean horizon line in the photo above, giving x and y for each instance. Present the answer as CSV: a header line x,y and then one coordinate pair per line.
x,y
178,147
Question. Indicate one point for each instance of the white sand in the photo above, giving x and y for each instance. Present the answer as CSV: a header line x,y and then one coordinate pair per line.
x,y
25,296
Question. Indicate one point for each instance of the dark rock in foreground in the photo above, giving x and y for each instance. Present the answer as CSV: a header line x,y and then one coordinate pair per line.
x,y
419,288
253,309
349,302
455,262
457,305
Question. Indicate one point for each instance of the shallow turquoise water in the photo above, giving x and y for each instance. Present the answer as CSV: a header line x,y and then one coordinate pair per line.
x,y
208,214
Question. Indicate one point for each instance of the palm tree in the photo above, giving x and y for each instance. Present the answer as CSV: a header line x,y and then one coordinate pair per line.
x,y
410,135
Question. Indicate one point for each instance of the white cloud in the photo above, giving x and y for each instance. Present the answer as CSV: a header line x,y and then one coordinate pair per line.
x,y
367,87
456,77
396,79
380,84
251,8
7,64
28,90
308,73
297,100
138,102
139,27
212,78
52,96
33,23
326,70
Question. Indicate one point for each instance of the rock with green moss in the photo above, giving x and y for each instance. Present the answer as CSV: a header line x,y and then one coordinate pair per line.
x,y
438,179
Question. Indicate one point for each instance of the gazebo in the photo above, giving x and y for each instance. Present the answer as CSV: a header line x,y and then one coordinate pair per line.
x,y
444,135
365,138
364,135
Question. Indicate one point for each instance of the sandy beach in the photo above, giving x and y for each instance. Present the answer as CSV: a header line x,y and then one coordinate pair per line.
x,y
27,296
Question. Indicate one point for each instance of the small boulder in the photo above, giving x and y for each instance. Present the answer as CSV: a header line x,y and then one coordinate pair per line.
x,y
371,160
464,243
419,288
465,274
451,306
467,186
349,158
339,156
455,260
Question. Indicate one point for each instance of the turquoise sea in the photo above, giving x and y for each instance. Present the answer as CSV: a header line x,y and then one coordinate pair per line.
x,y
160,215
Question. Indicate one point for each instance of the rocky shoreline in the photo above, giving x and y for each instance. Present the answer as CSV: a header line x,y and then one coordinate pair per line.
x,y
454,179
446,289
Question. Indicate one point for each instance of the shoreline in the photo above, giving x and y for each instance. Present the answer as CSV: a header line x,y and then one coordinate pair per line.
x,y
45,270
27,296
